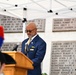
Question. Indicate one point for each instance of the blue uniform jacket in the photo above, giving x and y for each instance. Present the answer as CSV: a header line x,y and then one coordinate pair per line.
x,y
37,50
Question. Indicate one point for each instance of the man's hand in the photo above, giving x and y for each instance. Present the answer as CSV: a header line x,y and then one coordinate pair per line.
x,y
2,67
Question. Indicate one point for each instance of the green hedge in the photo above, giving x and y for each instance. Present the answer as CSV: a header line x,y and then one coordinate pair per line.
x,y
44,73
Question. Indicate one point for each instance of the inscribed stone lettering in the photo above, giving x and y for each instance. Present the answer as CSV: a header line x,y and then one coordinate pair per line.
x,y
63,58
12,24
64,24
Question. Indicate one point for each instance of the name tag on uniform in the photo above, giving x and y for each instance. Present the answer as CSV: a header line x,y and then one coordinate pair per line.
x,y
31,49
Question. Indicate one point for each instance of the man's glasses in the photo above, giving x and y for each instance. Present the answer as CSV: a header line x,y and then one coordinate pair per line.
x,y
29,31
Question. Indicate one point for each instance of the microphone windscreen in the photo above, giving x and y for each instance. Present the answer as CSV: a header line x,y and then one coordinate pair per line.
x,y
15,48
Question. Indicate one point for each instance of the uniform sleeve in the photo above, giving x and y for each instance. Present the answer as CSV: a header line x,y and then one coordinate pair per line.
x,y
41,50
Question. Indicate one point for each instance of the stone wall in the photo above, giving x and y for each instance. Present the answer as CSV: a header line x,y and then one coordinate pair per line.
x,y
15,25
9,46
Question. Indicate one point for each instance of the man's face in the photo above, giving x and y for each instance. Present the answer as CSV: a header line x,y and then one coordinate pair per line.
x,y
31,31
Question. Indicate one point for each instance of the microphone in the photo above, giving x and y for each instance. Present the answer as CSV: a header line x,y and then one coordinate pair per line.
x,y
15,48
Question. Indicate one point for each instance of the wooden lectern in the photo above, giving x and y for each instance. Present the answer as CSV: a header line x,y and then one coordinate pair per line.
x,y
23,63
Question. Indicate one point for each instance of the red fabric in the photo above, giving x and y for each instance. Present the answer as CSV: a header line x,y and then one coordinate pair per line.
x,y
1,32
